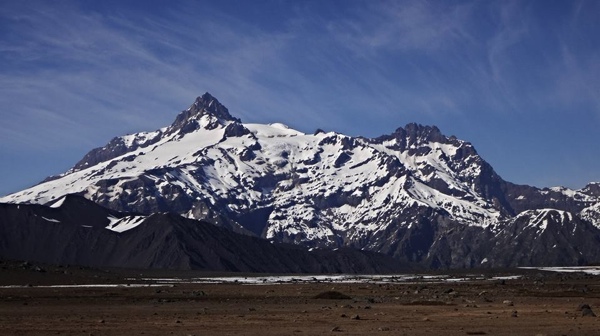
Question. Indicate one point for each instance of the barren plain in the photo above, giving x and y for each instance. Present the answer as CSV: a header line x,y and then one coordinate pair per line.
x,y
62,300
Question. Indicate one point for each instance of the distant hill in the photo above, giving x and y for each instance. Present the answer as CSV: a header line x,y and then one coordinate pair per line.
x,y
79,232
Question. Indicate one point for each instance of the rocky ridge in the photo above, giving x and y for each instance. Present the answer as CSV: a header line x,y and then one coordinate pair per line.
x,y
79,232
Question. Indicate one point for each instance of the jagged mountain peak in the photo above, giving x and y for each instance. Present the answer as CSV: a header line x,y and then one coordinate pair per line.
x,y
208,104
206,112
416,140
422,130
592,189
414,134
417,131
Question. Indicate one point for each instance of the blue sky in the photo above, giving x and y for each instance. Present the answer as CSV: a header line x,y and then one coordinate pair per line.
x,y
518,79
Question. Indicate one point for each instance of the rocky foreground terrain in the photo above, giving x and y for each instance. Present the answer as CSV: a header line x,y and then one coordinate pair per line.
x,y
516,302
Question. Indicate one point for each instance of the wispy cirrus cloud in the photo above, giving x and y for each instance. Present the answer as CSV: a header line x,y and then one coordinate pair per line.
x,y
90,69
75,74
421,26
412,57
504,57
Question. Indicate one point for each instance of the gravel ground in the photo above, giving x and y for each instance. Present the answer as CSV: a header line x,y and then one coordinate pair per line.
x,y
536,303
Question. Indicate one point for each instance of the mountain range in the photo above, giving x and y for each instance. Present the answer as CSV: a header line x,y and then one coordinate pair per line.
x,y
415,195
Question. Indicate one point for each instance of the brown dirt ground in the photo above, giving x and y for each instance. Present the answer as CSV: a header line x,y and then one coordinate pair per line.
x,y
545,304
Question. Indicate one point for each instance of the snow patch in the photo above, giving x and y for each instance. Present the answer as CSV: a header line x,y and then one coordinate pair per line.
x,y
594,270
58,203
50,220
125,223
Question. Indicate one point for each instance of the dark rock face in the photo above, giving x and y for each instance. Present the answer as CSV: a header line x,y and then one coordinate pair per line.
x,y
553,237
416,194
592,189
542,237
522,198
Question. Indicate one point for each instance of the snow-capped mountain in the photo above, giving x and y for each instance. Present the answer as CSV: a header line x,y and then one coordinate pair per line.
x,y
404,194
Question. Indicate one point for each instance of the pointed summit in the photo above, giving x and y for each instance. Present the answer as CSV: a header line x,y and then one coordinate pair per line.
x,y
204,106
210,104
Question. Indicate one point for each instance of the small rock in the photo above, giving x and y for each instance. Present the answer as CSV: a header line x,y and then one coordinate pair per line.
x,y
332,295
514,314
508,303
383,329
587,312
336,329
356,317
583,306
